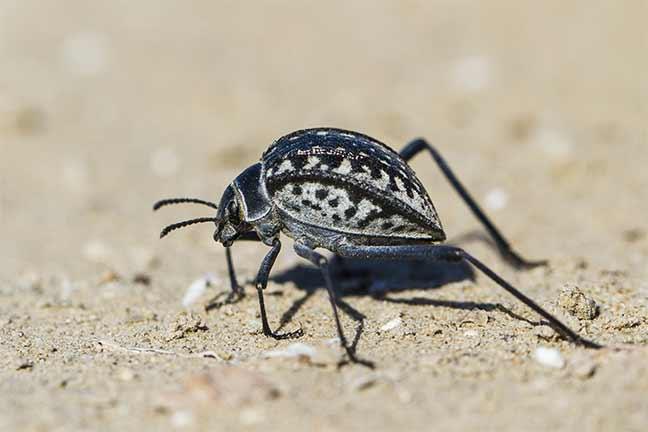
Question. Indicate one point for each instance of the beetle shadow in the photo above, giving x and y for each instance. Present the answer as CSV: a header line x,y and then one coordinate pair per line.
x,y
380,278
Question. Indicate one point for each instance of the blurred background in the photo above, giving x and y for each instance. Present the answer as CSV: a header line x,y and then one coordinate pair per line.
x,y
108,106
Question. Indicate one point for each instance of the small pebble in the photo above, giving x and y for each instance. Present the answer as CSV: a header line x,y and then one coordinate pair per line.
x,y
549,357
391,325
197,288
574,301
184,324
545,332
296,349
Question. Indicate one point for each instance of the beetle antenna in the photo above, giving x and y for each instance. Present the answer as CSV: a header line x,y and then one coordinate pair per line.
x,y
183,224
170,201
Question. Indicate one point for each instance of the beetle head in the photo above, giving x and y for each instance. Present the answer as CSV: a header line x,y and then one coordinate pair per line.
x,y
244,204
229,220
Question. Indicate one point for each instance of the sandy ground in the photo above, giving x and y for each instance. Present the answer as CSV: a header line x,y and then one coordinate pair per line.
x,y
107,106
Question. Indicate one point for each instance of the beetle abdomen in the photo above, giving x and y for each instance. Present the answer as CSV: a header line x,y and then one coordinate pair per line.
x,y
348,182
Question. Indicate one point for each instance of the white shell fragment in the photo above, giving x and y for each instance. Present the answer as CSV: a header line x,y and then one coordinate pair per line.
x,y
197,288
549,357
296,349
391,325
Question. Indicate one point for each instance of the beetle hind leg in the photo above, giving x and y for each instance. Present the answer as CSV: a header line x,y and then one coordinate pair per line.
x,y
503,246
446,253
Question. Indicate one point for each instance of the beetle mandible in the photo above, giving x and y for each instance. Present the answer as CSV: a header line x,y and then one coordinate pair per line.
x,y
354,196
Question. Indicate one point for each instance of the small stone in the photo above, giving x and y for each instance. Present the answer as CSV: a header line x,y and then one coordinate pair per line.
x,y
197,288
391,325
574,301
184,324
549,357
296,349
545,332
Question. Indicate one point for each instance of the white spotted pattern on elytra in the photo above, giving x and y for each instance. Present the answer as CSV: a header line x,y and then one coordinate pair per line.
x,y
350,182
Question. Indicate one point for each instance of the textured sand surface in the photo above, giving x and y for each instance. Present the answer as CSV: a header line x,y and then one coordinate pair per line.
x,y
106,107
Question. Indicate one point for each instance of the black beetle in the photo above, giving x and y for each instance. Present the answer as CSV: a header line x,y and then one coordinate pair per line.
x,y
353,195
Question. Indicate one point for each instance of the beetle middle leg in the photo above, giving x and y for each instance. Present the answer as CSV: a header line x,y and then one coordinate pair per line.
x,y
261,283
321,262
505,249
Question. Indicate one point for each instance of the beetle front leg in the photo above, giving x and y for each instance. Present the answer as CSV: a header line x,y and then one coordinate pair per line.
x,y
261,283
505,249
321,262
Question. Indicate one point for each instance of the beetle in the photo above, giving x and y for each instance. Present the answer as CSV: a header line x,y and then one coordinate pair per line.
x,y
353,195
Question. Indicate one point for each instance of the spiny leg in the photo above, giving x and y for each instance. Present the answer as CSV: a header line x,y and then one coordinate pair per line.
x,y
505,249
454,254
261,283
321,262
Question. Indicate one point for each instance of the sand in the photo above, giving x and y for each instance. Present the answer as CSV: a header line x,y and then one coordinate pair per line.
x,y
106,107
